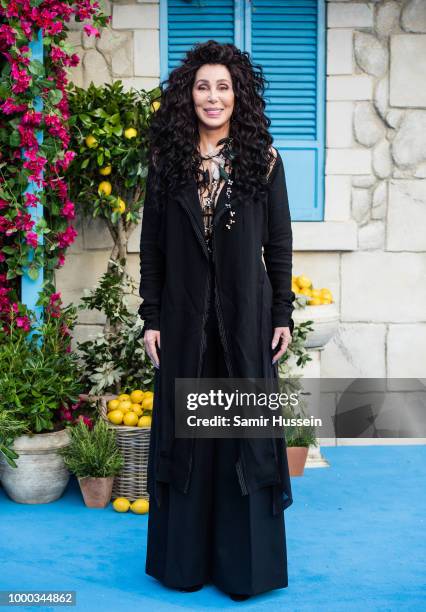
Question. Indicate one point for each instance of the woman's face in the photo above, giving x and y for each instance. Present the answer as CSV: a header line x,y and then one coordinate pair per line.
x,y
213,95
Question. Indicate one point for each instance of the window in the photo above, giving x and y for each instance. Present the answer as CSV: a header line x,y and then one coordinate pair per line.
x,y
287,38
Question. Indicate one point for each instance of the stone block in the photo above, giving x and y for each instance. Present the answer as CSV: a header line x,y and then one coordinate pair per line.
x,y
337,197
348,161
339,124
135,16
356,351
147,53
350,15
408,70
406,351
407,215
339,51
380,287
358,87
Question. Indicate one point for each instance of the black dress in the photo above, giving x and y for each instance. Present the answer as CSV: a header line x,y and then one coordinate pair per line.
x,y
214,533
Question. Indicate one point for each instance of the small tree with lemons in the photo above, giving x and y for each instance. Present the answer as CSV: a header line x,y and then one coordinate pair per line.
x,y
107,177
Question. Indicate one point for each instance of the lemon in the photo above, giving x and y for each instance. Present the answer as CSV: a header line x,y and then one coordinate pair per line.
x,y
144,421
316,293
91,142
155,106
140,506
115,416
314,301
326,293
106,170
130,133
113,404
123,396
305,292
137,409
148,402
125,405
105,188
295,288
304,282
325,301
130,419
137,396
121,206
121,504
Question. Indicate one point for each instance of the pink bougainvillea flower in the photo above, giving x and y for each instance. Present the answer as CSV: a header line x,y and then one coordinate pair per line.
x,y
31,200
7,36
91,31
24,323
24,221
20,79
61,260
9,107
3,203
68,210
31,239
66,238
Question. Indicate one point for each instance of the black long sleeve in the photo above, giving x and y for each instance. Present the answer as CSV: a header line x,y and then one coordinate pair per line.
x,y
278,250
151,260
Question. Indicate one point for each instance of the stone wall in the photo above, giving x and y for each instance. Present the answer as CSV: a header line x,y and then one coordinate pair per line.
x,y
376,164
370,249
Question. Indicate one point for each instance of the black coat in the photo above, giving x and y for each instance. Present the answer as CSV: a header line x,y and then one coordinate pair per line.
x,y
251,301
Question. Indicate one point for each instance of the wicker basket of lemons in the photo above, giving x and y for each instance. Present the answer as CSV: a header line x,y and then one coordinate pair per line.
x,y
130,415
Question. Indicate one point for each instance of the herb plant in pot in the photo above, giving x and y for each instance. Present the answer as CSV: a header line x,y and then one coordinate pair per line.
x,y
94,458
299,437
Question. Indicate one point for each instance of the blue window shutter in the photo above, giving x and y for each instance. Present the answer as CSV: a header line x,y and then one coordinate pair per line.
x,y
191,21
287,38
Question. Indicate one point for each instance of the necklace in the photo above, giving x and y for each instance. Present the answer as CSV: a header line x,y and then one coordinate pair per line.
x,y
221,169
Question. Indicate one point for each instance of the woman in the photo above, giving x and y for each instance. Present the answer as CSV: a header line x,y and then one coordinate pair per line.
x,y
216,194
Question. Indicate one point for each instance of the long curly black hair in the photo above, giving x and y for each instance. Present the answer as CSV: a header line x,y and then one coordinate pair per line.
x,y
174,133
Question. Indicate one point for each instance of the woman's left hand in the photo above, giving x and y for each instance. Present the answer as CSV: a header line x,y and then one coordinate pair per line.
x,y
282,335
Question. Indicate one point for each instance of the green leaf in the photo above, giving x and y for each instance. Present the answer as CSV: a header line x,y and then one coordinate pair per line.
x,y
36,68
85,163
55,96
33,273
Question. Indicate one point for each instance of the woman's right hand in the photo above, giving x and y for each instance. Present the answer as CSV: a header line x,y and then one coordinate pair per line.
x,y
151,340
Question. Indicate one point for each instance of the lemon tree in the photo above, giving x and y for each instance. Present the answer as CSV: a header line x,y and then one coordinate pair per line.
x,y
109,128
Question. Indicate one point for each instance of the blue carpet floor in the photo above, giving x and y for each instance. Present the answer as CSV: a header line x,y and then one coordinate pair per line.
x,y
356,538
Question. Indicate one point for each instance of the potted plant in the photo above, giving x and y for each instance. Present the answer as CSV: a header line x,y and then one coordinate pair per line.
x,y
299,438
94,458
39,381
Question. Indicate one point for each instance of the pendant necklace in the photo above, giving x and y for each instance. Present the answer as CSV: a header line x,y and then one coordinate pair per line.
x,y
218,163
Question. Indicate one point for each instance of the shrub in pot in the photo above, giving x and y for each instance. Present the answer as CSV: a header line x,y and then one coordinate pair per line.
x,y
39,380
94,458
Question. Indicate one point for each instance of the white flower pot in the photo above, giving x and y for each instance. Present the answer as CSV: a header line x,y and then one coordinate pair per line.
x,y
325,323
41,475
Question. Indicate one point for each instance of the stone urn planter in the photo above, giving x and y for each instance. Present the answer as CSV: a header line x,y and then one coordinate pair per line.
x,y
41,475
96,491
326,321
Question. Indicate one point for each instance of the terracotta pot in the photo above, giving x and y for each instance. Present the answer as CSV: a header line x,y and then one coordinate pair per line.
x,y
297,456
96,491
41,476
